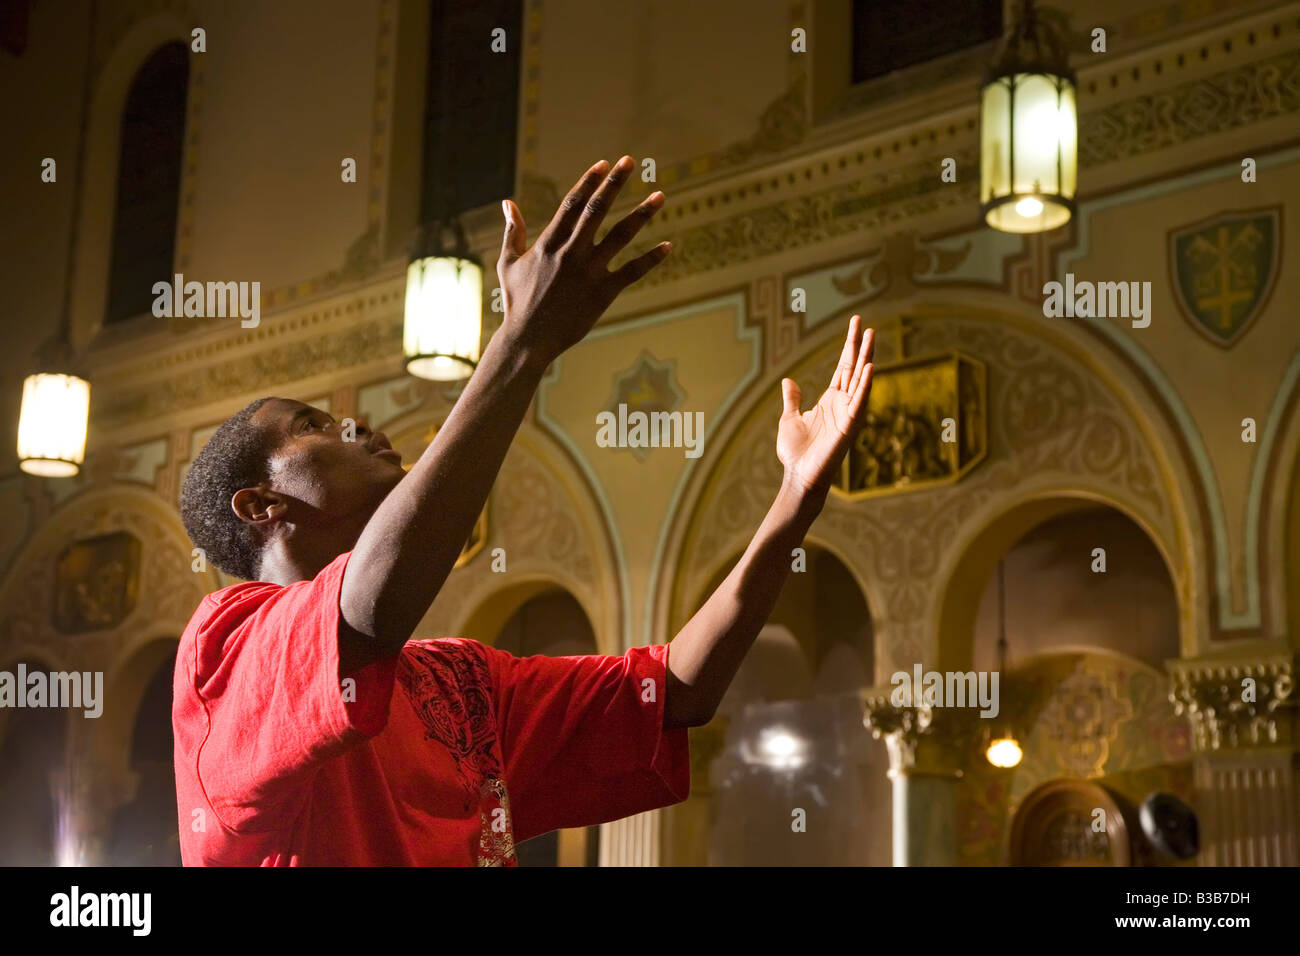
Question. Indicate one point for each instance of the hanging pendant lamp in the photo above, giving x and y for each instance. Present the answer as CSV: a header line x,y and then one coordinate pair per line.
x,y
1029,129
55,410
1004,749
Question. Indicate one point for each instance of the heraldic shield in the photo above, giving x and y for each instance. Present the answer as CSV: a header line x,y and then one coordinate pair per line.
x,y
1223,270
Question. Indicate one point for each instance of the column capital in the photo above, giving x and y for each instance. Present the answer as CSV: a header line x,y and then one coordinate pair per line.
x,y
920,738
1236,703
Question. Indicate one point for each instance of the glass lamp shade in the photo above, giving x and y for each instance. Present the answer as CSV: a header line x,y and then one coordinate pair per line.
x,y
1029,155
52,425
444,317
1004,752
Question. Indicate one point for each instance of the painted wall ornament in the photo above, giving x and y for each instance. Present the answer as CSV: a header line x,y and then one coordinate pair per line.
x,y
648,386
97,582
925,425
1223,270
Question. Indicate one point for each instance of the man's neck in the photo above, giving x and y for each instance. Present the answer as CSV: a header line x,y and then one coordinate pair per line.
x,y
300,557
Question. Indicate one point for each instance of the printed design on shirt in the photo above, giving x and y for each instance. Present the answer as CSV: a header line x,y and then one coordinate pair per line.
x,y
496,840
449,687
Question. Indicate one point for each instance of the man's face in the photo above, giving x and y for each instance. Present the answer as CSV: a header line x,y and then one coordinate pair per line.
x,y
327,479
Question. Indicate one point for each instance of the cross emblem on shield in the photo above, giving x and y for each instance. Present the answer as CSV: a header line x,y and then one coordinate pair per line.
x,y
1223,270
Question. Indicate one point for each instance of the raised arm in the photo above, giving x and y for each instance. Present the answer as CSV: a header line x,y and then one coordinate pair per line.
x,y
554,293
707,652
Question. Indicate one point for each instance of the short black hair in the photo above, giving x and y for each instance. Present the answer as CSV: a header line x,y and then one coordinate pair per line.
x,y
236,456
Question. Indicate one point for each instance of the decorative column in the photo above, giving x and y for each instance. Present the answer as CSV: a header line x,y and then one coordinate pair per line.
x,y
1243,714
632,841
925,766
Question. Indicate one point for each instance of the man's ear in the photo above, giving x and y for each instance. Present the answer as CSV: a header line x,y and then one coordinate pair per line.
x,y
259,506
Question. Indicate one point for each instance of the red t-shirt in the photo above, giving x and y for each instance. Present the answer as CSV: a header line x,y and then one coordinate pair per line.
x,y
447,754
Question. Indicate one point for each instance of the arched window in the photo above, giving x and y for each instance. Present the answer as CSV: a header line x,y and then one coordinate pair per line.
x,y
148,182
472,107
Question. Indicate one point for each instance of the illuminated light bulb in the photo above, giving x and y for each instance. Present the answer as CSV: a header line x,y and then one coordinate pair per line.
x,y
1029,129
443,317
1029,207
52,425
1004,752
776,748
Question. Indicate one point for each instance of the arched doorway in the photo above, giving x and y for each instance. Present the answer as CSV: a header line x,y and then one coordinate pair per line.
x,y
552,623
1086,578
1090,615
144,831
797,779
1071,823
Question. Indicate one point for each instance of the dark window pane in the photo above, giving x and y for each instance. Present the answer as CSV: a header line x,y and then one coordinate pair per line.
x,y
148,182
891,34
472,109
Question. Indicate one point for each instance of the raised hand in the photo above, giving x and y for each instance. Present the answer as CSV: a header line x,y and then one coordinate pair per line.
x,y
556,290
811,444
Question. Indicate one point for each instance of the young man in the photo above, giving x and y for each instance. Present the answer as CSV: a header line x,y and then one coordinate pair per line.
x,y
309,728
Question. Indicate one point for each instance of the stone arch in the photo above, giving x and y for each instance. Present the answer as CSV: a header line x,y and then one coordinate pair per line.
x,y
1062,803
110,737
986,538
785,678
1289,555
782,619
169,591
1028,662
490,614
543,513
713,524
123,50
1066,417
112,747
1278,522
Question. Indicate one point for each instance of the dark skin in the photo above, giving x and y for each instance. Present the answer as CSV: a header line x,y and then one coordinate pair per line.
x,y
326,496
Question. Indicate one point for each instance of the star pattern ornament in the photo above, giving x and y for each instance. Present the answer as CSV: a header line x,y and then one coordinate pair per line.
x,y
648,385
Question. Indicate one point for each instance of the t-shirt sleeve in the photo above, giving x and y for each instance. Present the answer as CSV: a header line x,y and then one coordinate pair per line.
x,y
266,672
582,737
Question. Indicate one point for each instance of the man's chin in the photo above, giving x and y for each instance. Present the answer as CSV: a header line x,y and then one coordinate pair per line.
x,y
393,476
